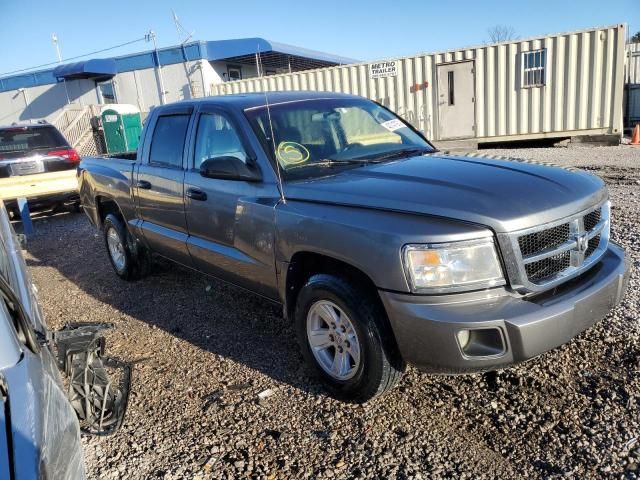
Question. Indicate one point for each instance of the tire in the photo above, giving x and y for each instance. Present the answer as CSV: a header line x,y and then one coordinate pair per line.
x,y
379,366
130,260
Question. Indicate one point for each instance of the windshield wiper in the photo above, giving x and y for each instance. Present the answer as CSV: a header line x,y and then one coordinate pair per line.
x,y
329,162
404,152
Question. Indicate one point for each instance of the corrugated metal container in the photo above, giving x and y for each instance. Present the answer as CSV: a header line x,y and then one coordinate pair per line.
x,y
633,108
553,86
633,63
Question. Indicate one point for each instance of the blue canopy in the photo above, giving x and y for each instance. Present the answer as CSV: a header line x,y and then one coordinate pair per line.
x,y
97,69
225,49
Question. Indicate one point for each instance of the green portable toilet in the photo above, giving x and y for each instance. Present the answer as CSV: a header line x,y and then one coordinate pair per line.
x,y
122,125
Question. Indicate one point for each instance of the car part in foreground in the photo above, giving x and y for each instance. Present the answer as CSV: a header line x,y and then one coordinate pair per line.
x,y
99,402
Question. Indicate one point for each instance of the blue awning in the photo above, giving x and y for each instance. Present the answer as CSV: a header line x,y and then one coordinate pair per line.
x,y
97,69
241,47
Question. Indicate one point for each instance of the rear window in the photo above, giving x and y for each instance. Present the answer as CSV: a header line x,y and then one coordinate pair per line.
x,y
21,139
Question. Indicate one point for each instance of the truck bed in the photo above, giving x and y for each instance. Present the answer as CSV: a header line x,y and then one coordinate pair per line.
x,y
132,156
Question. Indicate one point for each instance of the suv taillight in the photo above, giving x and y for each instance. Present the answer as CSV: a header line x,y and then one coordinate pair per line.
x,y
69,153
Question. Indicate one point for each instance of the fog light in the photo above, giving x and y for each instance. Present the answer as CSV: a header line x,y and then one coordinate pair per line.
x,y
463,338
481,342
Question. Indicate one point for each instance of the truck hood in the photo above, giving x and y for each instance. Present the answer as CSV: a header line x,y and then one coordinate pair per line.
x,y
503,194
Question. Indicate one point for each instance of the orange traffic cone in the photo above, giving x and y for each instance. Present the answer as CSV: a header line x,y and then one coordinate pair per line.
x,y
635,138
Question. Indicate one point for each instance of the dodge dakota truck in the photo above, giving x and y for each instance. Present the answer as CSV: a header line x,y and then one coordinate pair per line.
x,y
381,250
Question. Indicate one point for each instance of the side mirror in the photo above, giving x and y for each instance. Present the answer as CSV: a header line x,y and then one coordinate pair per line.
x,y
229,168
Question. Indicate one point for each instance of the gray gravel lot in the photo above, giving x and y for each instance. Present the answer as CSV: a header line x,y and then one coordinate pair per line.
x,y
204,350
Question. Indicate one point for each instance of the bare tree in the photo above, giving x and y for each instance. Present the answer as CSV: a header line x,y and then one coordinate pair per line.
x,y
501,33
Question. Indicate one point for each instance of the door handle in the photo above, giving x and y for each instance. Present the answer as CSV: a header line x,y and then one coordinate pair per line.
x,y
143,184
195,194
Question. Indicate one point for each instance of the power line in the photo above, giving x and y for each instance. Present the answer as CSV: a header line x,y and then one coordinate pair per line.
x,y
76,57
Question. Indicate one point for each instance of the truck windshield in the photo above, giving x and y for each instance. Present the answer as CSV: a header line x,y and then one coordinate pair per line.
x,y
312,137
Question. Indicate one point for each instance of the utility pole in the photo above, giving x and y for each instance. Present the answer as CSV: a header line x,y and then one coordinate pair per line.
x,y
151,37
56,45
26,101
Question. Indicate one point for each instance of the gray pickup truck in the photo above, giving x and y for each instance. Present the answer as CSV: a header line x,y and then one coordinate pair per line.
x,y
381,250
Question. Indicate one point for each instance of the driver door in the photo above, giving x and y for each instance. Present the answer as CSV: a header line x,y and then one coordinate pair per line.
x,y
231,233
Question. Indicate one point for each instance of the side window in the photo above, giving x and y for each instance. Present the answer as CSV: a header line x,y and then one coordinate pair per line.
x,y
167,143
216,137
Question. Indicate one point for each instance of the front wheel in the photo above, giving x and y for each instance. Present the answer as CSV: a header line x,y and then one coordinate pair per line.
x,y
343,335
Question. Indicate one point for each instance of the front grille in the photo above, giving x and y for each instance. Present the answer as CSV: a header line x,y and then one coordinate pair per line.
x,y
592,219
547,256
548,267
536,242
593,244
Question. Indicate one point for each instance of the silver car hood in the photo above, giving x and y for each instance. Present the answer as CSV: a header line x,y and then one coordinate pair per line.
x,y
503,194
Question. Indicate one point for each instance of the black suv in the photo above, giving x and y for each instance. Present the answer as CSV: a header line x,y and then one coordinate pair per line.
x,y
28,149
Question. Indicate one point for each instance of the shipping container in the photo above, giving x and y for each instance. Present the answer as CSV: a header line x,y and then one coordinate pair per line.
x,y
632,75
562,85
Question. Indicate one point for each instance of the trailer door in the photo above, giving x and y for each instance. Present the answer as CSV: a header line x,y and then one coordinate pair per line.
x,y
456,102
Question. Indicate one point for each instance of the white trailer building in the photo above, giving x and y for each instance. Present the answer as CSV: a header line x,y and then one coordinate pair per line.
x,y
553,86
632,87
70,95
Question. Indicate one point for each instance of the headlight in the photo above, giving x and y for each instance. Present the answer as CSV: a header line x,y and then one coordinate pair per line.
x,y
447,267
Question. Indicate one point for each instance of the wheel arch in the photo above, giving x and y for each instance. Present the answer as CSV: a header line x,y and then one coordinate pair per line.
x,y
104,206
305,264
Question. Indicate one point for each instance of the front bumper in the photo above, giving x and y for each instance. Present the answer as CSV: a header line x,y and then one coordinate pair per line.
x,y
426,328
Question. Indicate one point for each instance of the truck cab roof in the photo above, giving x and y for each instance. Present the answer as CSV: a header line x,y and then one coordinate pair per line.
x,y
243,101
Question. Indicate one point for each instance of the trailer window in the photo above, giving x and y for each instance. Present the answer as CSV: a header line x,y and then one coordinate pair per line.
x,y
451,88
534,68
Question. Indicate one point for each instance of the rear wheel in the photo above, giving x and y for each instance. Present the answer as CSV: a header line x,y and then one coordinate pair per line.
x,y
343,335
130,260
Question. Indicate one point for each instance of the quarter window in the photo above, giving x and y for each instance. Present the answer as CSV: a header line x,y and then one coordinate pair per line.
x,y
216,137
534,68
167,143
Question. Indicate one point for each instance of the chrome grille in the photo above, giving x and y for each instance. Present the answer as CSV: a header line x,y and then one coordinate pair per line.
x,y
535,242
592,219
593,244
551,254
537,271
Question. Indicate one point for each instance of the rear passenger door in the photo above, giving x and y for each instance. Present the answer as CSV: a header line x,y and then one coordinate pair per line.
x,y
159,185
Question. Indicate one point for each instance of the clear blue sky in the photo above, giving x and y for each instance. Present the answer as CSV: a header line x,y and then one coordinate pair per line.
x,y
362,29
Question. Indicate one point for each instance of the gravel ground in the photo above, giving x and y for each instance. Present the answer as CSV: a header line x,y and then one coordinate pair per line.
x,y
204,350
